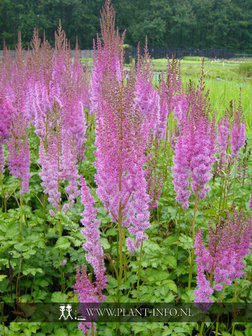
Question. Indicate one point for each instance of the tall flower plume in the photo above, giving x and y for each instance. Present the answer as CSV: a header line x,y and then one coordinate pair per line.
x,y
228,243
122,133
88,291
195,148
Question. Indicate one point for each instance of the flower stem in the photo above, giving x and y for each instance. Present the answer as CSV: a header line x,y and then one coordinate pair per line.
x,y
139,269
92,329
193,239
202,328
21,218
120,250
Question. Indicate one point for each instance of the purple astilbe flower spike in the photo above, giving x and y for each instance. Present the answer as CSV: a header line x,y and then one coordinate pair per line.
x,y
238,136
164,109
2,159
250,202
195,147
19,160
56,98
122,134
223,138
203,259
49,161
222,260
106,55
13,120
69,171
94,250
180,107
146,98
181,169
202,157
88,291
140,211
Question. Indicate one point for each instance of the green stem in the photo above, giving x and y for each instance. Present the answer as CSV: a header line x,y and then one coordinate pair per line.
x,y
139,269
2,192
21,218
44,214
190,271
193,239
120,250
202,328
219,301
92,329
196,206
62,276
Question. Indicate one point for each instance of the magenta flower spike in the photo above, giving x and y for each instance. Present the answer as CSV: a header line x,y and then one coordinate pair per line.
x,y
222,260
223,138
123,126
238,136
86,290
195,147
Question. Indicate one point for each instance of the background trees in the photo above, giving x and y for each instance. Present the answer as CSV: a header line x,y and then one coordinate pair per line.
x,y
170,23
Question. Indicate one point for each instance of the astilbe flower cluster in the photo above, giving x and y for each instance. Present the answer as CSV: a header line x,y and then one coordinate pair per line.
x,y
87,291
106,55
222,261
122,134
231,133
223,138
148,101
57,96
13,119
195,148
238,136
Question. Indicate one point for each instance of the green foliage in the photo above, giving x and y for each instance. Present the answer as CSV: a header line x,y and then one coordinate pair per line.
x,y
245,69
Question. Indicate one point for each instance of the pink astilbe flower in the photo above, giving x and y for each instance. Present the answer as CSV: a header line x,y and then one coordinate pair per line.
x,y
94,250
180,106
146,98
49,161
69,171
19,160
203,259
7,96
195,148
106,55
87,291
13,121
2,159
57,95
181,169
58,160
222,260
122,133
164,109
202,156
250,202
223,138
140,211
238,136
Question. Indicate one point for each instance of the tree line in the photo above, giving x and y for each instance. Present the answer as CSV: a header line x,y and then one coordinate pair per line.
x,y
170,23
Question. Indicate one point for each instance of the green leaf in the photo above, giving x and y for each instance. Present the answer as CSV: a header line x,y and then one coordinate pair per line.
x,y
104,243
171,284
63,243
61,332
2,276
59,297
171,261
